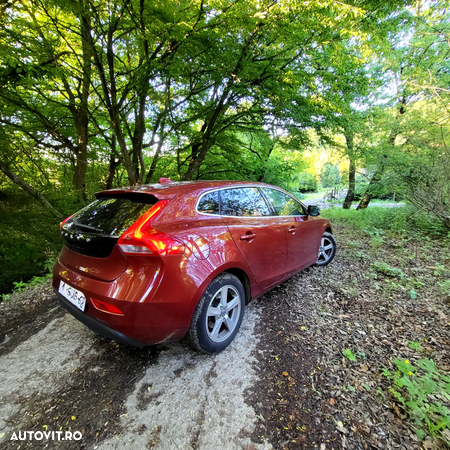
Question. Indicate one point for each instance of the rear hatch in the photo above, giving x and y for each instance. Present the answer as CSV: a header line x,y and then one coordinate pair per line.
x,y
91,234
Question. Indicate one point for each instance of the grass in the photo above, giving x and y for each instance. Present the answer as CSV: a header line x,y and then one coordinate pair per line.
x,y
376,221
314,195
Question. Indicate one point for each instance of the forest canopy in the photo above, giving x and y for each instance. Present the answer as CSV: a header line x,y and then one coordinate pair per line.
x,y
96,94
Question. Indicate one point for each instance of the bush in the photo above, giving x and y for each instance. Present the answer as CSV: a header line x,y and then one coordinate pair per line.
x,y
29,238
307,183
400,220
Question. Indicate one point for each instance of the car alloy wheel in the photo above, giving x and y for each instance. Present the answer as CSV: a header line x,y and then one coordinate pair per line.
x,y
218,315
223,313
327,249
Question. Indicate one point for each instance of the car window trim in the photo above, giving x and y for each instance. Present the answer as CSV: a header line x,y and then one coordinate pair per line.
x,y
259,187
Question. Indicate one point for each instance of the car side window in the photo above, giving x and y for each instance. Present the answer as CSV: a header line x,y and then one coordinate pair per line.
x,y
209,203
283,204
245,202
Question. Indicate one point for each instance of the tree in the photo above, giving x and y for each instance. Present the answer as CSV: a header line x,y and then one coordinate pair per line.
x,y
307,182
5,168
330,177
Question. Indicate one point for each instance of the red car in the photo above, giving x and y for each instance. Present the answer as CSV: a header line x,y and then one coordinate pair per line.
x,y
149,264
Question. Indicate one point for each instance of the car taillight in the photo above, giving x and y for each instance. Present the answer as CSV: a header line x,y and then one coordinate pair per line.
x,y
106,307
64,221
142,239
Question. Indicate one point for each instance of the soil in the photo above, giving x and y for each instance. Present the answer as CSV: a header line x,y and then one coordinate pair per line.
x,y
284,383
310,395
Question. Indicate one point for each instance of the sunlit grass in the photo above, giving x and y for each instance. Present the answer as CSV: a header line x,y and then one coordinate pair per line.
x,y
399,220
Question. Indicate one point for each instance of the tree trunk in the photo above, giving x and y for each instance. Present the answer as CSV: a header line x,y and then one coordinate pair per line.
x,y
138,137
155,160
364,203
110,96
159,124
207,130
30,190
81,114
266,160
351,171
113,164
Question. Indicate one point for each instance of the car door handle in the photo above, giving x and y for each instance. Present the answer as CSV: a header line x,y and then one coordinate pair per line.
x,y
292,230
248,237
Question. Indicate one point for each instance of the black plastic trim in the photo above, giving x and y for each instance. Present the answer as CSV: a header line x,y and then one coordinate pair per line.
x,y
95,325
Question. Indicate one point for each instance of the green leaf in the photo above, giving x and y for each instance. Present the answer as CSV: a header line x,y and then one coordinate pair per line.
x,y
415,346
427,364
349,354
421,434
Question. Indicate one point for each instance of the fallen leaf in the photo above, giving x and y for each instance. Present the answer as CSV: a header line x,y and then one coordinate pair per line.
x,y
285,374
363,368
74,418
332,401
340,427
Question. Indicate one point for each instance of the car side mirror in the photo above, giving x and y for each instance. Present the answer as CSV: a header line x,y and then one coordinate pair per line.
x,y
313,210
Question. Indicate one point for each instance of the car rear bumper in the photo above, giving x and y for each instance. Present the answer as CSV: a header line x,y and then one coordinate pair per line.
x,y
157,305
96,326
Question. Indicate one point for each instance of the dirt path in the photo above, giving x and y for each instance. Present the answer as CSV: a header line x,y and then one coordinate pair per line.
x,y
65,377
284,383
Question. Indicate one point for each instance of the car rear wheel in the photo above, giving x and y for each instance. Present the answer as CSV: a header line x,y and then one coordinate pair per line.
x,y
218,315
327,249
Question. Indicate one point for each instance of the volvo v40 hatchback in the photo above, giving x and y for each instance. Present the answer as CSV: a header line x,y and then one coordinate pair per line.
x,y
149,264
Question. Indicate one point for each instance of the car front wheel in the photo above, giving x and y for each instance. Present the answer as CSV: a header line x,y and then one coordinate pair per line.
x,y
218,315
327,249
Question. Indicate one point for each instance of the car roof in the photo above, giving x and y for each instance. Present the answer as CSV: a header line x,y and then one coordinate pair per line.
x,y
169,189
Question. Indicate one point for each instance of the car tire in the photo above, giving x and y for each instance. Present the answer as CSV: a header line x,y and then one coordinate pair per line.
x,y
327,249
218,315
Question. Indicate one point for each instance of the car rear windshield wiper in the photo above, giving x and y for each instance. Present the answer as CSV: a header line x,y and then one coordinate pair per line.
x,y
86,227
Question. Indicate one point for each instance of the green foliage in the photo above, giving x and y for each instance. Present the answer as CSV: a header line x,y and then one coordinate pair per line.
x,y
307,183
445,287
330,176
386,269
208,90
383,190
424,393
397,220
415,346
349,354
29,239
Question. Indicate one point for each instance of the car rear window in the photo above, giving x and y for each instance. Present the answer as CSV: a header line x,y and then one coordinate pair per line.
x,y
109,216
209,203
95,229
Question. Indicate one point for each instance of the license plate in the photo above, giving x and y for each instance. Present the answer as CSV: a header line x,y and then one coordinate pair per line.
x,y
74,296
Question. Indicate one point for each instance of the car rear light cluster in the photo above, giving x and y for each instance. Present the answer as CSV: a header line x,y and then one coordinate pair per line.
x,y
142,239
64,221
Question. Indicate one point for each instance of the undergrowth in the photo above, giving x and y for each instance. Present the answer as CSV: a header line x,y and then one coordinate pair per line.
x,y
401,221
29,237
424,393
